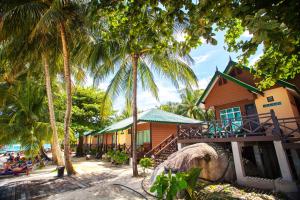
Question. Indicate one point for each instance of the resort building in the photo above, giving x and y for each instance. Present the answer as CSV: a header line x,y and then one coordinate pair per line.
x,y
257,126
154,127
261,129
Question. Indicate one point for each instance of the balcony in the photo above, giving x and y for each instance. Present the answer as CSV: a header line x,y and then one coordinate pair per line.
x,y
262,127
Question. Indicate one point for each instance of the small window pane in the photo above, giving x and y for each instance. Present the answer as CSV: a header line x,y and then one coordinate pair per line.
x,y
237,115
223,111
223,117
236,109
230,116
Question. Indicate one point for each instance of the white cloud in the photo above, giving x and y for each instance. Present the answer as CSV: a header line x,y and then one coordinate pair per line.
x,y
201,58
202,83
246,34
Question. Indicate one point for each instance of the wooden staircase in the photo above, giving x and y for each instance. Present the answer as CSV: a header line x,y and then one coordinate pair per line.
x,y
162,151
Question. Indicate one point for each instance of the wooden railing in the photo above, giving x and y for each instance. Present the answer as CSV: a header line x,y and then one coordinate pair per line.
x,y
289,127
160,146
265,124
163,150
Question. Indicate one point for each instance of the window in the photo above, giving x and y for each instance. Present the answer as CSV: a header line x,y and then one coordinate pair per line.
x,y
143,137
233,114
114,138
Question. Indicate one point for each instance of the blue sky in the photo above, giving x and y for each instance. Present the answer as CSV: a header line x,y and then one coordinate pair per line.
x,y
207,57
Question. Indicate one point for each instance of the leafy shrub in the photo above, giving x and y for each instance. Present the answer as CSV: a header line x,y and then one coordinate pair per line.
x,y
146,163
110,154
93,152
169,186
120,157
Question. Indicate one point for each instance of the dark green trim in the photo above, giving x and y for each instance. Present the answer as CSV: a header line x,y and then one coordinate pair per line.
x,y
207,89
232,64
289,85
228,68
280,82
165,122
241,83
126,127
230,78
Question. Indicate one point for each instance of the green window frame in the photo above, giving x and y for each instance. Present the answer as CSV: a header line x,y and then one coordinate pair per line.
x,y
234,114
143,137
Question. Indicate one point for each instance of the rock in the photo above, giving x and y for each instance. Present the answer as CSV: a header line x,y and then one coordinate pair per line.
x,y
216,163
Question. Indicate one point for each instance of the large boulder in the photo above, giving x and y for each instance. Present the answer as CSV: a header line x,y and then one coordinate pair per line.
x,y
216,163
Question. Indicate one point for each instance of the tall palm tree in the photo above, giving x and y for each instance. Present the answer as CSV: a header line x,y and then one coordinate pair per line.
x,y
57,17
132,69
138,46
30,44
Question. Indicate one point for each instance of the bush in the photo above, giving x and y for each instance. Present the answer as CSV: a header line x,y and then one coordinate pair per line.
x,y
110,154
120,157
93,152
146,163
117,157
169,186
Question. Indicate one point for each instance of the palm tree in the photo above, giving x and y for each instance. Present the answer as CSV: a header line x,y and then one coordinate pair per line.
x,y
22,116
138,47
140,67
188,106
30,43
51,17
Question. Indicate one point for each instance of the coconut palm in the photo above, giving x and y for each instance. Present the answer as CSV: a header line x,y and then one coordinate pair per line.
x,y
22,116
188,106
32,47
132,69
140,45
56,17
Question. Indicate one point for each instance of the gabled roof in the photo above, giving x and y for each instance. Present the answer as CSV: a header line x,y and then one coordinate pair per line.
x,y
152,115
226,75
282,83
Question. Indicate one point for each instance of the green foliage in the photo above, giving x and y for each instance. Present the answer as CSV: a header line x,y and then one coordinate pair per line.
x,y
187,107
168,186
117,157
22,118
191,178
272,25
146,163
110,153
89,113
120,157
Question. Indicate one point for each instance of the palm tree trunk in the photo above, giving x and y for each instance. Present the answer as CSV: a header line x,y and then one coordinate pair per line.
x,y
135,58
79,149
56,155
67,120
53,151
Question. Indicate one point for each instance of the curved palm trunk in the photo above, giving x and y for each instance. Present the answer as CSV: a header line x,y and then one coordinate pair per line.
x,y
135,59
56,153
67,120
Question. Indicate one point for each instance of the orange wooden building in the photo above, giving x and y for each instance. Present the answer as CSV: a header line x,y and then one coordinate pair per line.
x,y
260,126
154,126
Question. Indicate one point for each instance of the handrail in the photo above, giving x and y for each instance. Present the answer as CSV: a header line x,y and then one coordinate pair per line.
x,y
174,140
159,146
251,125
